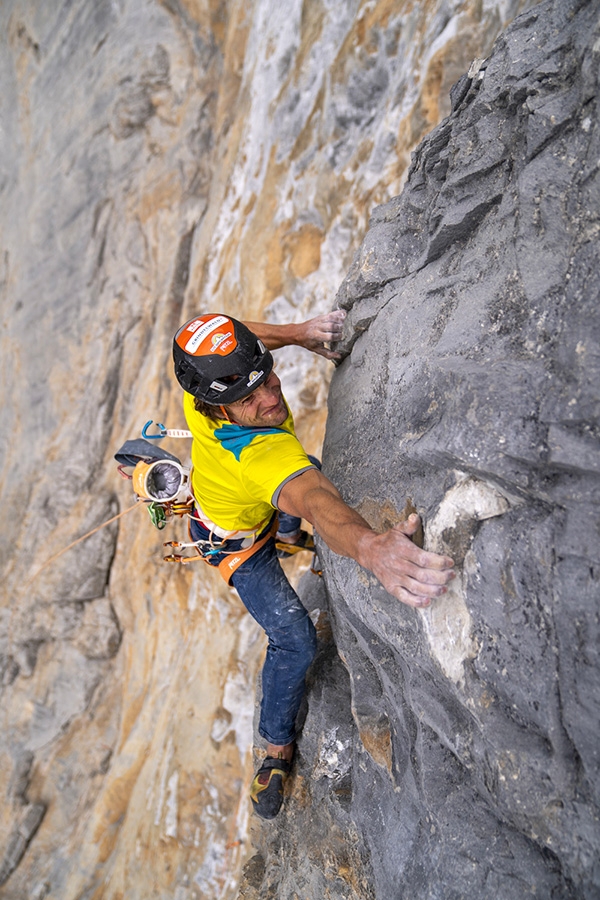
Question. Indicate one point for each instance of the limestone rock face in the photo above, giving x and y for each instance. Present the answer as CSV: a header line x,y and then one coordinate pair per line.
x,y
161,156
458,754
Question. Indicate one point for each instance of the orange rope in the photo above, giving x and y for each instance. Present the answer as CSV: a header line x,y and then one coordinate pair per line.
x,y
78,541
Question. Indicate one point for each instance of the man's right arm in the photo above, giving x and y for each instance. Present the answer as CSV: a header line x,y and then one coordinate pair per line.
x,y
412,575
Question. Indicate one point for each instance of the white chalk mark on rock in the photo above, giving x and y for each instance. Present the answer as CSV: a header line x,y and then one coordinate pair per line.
x,y
447,621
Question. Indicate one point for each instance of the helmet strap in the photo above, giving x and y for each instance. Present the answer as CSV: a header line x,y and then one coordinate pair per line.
x,y
225,413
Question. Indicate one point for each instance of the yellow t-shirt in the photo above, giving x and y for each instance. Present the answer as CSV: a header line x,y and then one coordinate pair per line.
x,y
238,471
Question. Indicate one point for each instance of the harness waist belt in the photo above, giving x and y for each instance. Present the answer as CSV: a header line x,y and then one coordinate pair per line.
x,y
233,561
222,532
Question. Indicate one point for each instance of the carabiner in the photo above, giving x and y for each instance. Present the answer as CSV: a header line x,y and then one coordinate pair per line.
x,y
153,437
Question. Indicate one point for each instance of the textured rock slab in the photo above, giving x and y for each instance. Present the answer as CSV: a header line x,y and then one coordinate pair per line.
x,y
465,365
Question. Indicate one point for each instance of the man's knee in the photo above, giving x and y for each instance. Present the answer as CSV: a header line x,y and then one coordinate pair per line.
x,y
300,637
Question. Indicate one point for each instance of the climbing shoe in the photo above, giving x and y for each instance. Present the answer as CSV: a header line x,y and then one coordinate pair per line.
x,y
304,541
266,791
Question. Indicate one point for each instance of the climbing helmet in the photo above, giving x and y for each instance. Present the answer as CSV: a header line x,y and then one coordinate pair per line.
x,y
219,360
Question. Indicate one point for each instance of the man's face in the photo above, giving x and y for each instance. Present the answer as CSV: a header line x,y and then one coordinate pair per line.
x,y
262,408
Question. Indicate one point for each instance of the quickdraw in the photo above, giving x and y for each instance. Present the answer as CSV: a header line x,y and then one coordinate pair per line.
x,y
164,432
232,559
160,513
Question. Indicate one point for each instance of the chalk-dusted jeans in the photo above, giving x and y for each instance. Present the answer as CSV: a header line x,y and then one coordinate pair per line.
x,y
270,599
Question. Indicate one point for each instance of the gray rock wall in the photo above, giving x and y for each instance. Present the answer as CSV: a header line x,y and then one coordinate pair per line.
x,y
456,753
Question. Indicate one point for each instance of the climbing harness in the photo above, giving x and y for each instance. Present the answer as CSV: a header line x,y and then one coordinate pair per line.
x,y
232,559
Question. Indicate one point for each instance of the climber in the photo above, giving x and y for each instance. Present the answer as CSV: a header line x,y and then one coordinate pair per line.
x,y
247,465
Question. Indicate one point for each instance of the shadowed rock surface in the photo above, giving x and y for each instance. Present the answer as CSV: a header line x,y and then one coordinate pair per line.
x,y
456,753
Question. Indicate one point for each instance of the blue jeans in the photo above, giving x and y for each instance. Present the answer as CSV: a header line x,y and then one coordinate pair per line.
x,y
272,602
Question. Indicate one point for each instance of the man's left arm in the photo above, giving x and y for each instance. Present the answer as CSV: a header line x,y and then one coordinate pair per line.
x,y
313,334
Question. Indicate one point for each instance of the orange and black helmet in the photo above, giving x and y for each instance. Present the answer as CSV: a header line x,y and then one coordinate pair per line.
x,y
219,360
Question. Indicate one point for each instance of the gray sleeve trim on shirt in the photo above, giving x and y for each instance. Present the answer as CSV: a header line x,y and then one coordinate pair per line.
x,y
275,497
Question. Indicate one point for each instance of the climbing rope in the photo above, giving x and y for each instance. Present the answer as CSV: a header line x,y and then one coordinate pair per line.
x,y
80,539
